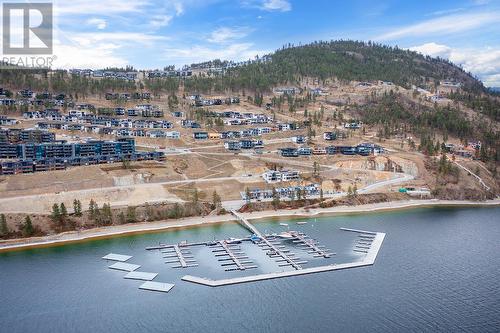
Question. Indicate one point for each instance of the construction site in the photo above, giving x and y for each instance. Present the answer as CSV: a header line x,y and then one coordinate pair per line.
x,y
333,158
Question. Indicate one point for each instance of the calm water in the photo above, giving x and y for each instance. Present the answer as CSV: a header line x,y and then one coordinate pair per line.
x,y
437,270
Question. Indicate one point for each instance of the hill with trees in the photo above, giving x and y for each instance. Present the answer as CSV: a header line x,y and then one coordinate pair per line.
x,y
345,61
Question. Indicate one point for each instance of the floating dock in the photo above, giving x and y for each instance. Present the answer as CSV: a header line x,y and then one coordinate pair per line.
x,y
157,286
134,275
167,246
360,231
179,255
311,246
121,266
116,257
231,255
365,242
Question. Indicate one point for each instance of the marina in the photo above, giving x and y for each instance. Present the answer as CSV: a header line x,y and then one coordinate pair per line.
x,y
368,260
230,256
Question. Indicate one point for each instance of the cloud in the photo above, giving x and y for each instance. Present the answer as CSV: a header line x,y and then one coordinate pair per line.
x,y
482,62
268,5
179,8
97,57
121,38
446,11
276,5
236,52
443,25
159,21
432,49
226,34
99,49
100,24
82,7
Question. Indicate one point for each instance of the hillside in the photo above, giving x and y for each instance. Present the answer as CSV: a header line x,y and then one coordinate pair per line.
x,y
348,60
341,60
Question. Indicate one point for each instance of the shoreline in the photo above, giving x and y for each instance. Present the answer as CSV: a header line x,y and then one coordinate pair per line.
x,y
161,226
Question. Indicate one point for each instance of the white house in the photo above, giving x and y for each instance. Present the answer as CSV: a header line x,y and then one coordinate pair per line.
x,y
272,176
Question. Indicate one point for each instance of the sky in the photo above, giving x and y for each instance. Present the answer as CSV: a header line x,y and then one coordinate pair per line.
x,y
150,34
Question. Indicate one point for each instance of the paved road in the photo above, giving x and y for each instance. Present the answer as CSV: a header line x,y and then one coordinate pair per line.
x,y
401,178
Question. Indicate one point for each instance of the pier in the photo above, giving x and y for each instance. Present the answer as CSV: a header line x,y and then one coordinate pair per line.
x,y
273,250
311,245
177,254
231,255
366,241
244,222
166,246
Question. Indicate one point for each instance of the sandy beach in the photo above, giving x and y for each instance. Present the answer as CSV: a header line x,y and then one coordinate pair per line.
x,y
159,226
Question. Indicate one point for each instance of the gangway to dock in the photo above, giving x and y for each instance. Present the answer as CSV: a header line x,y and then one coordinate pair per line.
x,y
273,249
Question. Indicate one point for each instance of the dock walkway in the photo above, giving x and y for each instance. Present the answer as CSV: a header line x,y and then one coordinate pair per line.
x,y
311,245
177,254
272,249
231,255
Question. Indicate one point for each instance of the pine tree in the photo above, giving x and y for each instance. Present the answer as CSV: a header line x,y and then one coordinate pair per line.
x,y
131,215
299,194
56,213
4,229
121,218
27,228
216,200
64,211
276,198
349,191
77,207
195,198
316,169
106,214
248,195
92,209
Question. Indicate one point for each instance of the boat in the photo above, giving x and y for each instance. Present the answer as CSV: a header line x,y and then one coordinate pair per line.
x,y
255,239
301,223
284,224
287,235
233,240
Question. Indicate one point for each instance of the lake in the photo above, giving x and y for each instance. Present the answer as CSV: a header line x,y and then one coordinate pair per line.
x,y
437,270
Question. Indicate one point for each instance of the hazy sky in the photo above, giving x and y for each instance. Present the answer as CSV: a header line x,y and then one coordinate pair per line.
x,y
154,33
